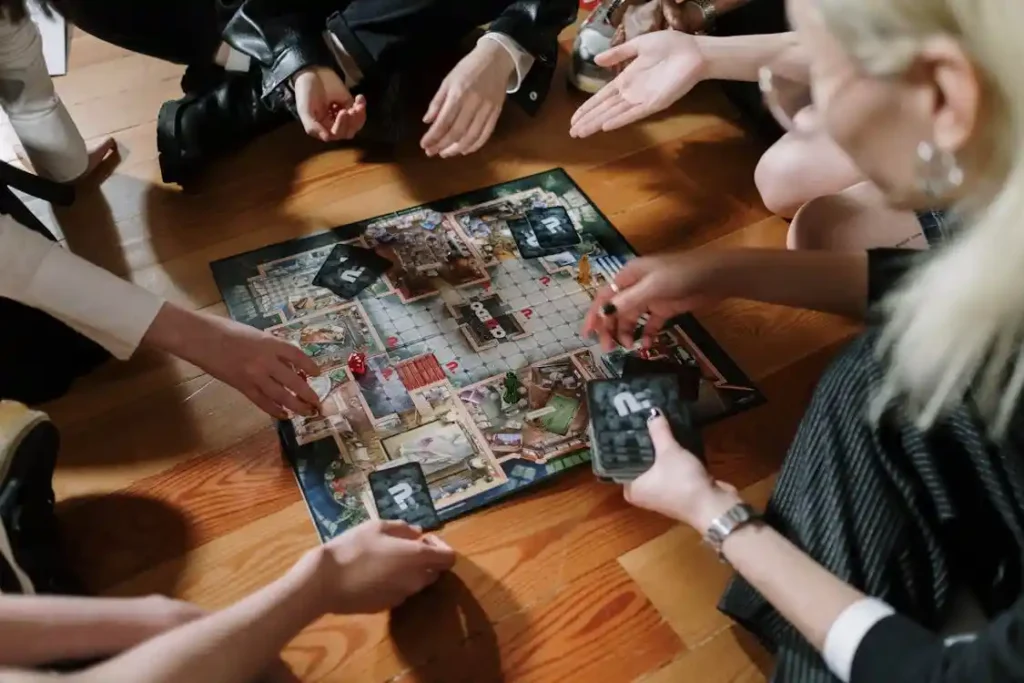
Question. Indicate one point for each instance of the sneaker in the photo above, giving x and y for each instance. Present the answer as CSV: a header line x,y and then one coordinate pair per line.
x,y
31,560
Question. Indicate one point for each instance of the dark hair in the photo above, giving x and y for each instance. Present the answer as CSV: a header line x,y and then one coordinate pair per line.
x,y
16,10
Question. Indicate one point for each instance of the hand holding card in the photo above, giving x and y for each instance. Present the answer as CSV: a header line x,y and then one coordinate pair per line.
x,y
621,445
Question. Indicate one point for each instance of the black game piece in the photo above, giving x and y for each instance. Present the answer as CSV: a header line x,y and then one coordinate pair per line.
x,y
401,493
526,240
689,376
553,228
350,269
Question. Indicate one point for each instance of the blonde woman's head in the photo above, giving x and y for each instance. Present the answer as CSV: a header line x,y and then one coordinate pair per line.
x,y
927,97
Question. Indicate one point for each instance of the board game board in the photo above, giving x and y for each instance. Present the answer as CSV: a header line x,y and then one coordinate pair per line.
x,y
460,307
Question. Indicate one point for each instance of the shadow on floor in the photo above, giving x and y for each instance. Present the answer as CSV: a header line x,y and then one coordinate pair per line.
x,y
444,633
114,537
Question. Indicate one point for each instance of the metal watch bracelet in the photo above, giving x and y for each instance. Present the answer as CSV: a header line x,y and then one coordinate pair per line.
x,y
709,13
736,517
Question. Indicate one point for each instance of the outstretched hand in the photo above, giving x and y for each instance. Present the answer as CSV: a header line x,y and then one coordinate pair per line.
x,y
663,67
269,371
465,110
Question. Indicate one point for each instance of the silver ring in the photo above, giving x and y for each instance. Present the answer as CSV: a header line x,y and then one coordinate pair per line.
x,y
615,288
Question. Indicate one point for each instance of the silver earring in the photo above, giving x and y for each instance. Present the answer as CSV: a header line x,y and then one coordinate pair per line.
x,y
938,171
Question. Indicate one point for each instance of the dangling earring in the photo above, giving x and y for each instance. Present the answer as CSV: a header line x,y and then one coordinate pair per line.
x,y
938,171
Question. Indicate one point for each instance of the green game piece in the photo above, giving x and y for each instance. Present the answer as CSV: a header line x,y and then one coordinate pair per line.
x,y
511,385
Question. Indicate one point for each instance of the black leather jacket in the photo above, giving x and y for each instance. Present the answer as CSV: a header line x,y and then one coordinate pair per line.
x,y
287,36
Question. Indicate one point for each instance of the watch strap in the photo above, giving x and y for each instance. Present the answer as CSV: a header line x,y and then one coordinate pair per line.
x,y
708,11
726,524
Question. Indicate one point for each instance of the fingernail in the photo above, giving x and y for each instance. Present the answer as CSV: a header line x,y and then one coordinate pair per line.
x,y
608,309
655,414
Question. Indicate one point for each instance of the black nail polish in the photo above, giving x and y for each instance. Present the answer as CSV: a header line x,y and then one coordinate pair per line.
x,y
655,414
608,309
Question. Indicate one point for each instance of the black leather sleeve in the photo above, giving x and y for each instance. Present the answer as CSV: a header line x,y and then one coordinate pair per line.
x,y
535,25
897,650
886,269
284,37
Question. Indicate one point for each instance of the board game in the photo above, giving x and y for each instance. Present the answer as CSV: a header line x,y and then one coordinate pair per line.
x,y
475,367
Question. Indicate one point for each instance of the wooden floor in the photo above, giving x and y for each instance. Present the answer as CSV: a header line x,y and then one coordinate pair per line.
x,y
172,482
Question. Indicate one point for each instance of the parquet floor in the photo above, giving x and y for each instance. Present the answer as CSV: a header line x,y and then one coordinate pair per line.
x,y
171,482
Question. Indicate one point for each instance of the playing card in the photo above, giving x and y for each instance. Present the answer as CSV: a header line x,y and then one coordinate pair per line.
x,y
350,269
621,444
689,376
553,228
526,240
401,493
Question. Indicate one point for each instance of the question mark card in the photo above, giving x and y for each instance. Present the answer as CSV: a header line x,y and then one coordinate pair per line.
x,y
620,443
553,228
350,269
401,493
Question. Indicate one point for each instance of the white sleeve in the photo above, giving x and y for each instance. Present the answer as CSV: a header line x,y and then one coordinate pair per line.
x,y
42,123
41,274
847,632
523,59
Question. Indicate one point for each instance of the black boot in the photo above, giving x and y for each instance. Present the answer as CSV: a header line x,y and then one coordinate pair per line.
x,y
199,128
31,554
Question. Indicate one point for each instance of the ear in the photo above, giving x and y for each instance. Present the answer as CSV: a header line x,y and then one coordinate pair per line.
x,y
956,90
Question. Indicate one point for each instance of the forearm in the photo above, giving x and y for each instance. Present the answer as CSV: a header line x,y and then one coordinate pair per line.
x,y
739,58
833,282
803,592
39,629
232,646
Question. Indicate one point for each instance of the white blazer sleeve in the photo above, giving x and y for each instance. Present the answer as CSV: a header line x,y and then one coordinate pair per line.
x,y
40,120
41,274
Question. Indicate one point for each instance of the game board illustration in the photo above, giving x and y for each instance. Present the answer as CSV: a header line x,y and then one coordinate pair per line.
x,y
475,371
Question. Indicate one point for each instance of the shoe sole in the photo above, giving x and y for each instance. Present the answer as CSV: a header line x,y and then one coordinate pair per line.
x,y
172,162
28,450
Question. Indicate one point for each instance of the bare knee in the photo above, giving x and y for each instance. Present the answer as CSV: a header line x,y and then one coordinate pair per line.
x,y
780,178
814,224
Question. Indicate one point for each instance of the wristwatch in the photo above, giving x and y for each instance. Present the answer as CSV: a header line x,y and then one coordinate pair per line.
x,y
737,516
708,12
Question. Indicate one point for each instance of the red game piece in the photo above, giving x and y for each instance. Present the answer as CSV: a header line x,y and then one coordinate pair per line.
x,y
645,353
334,108
357,363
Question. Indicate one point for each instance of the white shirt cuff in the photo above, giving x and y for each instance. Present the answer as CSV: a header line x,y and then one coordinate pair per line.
x,y
522,59
847,632
41,274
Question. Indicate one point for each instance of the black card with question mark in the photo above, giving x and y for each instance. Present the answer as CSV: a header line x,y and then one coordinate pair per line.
x,y
402,493
620,443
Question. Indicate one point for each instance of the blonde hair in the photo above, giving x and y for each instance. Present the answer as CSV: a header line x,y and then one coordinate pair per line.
x,y
957,322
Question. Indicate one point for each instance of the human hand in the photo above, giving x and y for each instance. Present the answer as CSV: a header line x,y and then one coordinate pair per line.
x,y
665,66
661,287
268,370
379,564
677,485
326,108
465,110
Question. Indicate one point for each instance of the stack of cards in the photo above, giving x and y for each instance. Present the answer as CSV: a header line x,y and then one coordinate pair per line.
x,y
620,443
